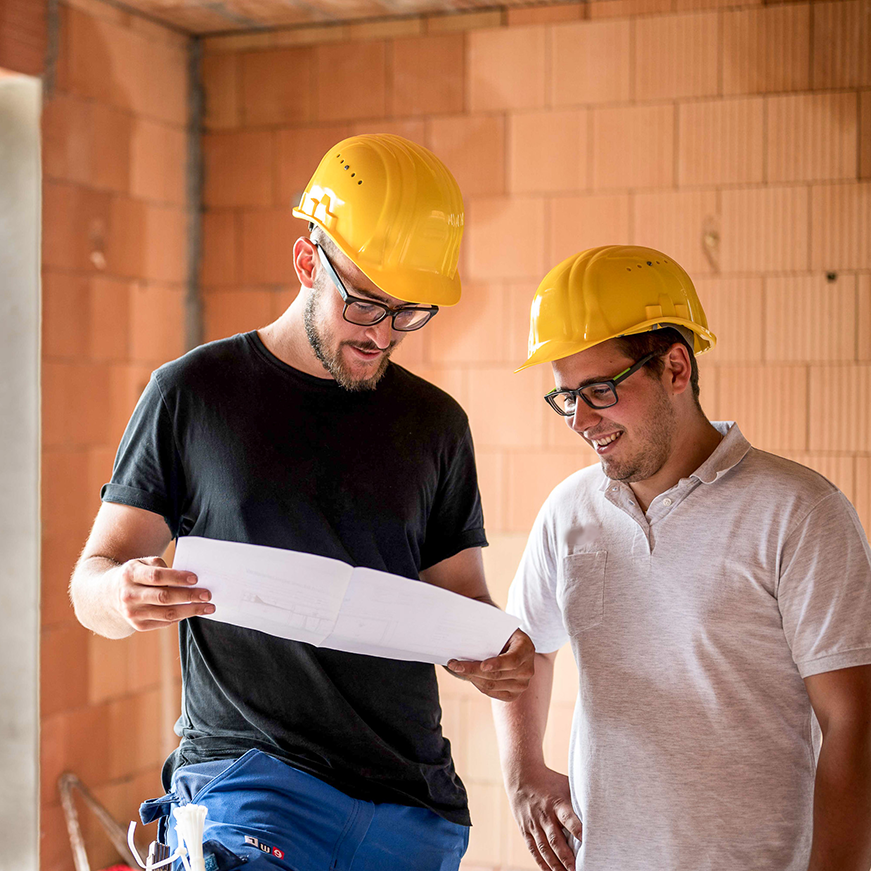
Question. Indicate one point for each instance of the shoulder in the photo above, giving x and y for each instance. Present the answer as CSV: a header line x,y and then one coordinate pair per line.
x,y
778,496
586,480
204,363
568,498
424,396
781,478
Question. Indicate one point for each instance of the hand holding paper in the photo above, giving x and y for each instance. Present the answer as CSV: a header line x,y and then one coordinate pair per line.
x,y
502,677
328,603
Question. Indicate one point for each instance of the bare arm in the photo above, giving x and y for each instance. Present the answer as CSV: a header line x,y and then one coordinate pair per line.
x,y
462,573
504,676
842,790
119,585
540,797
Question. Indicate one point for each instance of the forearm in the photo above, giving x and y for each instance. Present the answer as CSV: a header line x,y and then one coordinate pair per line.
x,y
94,602
842,802
520,725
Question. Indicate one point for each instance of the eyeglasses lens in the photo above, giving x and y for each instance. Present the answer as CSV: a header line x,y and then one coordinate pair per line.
x,y
411,319
600,395
597,396
365,314
565,403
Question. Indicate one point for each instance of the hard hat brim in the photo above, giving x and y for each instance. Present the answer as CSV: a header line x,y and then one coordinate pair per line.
x,y
553,350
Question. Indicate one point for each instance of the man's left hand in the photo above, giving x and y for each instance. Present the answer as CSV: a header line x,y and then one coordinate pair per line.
x,y
502,677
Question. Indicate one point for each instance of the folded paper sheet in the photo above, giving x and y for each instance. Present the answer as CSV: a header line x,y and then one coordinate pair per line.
x,y
328,603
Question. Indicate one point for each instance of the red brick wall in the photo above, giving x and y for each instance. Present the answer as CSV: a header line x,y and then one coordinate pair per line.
x,y
658,122
23,36
655,122
114,271
746,124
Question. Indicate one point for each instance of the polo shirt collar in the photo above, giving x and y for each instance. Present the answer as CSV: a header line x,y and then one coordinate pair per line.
x,y
731,450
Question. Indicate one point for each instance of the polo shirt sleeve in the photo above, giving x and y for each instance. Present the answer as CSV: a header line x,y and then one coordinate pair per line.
x,y
148,471
824,591
532,596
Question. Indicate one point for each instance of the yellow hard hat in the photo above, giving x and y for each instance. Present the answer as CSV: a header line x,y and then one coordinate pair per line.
x,y
615,290
395,210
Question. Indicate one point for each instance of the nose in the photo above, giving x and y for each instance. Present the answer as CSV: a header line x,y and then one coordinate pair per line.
x,y
380,333
584,418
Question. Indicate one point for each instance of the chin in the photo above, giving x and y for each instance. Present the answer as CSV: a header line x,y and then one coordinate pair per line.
x,y
618,472
357,384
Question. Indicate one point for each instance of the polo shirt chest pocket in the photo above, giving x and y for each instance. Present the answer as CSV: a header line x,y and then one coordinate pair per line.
x,y
582,590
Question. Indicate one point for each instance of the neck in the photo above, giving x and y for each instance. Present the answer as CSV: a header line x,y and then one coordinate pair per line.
x,y
694,443
286,339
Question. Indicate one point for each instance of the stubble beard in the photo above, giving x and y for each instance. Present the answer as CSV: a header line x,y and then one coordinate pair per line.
x,y
321,341
657,438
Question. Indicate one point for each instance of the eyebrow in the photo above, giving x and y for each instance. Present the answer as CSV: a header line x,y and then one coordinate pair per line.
x,y
367,294
359,292
588,382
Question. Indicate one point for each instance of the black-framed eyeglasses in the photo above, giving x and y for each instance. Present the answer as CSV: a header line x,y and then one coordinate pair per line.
x,y
599,394
368,312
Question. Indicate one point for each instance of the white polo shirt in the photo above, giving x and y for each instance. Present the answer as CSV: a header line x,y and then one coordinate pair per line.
x,y
693,740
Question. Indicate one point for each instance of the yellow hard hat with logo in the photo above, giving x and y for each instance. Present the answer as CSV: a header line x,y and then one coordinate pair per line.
x,y
615,290
395,210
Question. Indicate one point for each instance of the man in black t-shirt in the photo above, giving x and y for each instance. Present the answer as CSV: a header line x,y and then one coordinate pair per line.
x,y
303,435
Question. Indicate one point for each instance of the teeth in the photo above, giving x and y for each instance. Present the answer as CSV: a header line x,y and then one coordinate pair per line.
x,y
600,443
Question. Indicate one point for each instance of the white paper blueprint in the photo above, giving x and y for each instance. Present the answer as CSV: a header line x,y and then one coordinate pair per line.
x,y
328,603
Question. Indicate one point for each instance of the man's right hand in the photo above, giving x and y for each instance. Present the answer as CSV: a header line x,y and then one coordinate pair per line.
x,y
542,807
151,596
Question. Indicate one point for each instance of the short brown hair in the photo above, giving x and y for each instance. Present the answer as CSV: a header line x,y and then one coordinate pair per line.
x,y
658,342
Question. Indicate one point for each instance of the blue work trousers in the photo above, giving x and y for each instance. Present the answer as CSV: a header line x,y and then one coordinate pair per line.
x,y
278,817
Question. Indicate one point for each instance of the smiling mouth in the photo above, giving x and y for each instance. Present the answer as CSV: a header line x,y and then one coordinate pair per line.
x,y
602,443
367,353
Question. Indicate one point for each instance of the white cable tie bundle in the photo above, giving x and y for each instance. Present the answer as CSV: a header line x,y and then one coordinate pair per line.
x,y
147,864
190,821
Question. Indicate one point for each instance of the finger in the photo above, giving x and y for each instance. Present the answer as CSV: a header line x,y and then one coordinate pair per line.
x,y
570,821
172,597
561,846
158,575
518,653
518,661
519,640
150,617
553,849
499,669
166,604
503,691
532,846
507,684
508,664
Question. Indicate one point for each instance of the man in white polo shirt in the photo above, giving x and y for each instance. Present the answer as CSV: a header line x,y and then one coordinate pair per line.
x,y
716,598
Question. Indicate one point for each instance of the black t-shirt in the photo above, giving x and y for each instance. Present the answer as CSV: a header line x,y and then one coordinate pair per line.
x,y
230,443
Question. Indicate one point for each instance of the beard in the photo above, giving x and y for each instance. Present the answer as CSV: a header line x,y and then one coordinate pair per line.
x,y
330,354
656,439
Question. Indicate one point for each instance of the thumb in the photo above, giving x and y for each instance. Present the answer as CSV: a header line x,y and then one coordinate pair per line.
x,y
152,561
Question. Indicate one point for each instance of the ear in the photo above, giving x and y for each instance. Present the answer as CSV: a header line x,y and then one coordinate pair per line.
x,y
678,369
304,256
